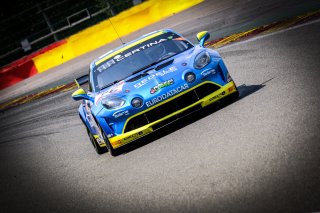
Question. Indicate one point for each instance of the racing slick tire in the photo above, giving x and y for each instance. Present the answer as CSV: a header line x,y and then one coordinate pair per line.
x,y
99,150
109,147
112,151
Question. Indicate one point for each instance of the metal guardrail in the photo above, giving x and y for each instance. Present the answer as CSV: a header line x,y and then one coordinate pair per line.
x,y
70,22
66,27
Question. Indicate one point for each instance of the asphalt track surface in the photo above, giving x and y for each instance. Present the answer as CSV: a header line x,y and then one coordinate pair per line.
x,y
260,153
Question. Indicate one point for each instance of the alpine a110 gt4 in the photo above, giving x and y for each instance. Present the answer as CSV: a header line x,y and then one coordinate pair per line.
x,y
147,83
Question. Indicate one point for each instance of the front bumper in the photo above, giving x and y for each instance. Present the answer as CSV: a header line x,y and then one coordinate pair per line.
x,y
130,136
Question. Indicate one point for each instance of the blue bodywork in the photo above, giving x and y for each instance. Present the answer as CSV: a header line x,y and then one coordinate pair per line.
x,y
154,85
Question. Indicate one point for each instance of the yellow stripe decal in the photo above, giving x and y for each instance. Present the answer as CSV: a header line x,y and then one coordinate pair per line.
x,y
123,139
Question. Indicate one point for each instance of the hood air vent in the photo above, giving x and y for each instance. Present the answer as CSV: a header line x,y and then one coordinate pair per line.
x,y
137,77
161,66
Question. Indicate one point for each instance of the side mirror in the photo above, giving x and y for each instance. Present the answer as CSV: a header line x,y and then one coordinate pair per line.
x,y
202,37
80,94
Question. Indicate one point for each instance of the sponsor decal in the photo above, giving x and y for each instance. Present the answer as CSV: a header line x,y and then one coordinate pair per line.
x,y
98,139
161,85
121,113
120,57
152,76
167,95
89,115
90,120
230,89
217,96
205,73
110,135
116,142
133,136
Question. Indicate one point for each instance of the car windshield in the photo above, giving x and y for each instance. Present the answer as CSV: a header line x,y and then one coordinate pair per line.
x,y
115,67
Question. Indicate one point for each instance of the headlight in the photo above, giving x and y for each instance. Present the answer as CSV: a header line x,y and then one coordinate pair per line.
x,y
113,103
137,102
201,60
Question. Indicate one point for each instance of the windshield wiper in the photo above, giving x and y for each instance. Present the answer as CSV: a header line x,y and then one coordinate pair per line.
x,y
110,84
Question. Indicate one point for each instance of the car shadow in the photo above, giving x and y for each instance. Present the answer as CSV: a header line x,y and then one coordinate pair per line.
x,y
244,91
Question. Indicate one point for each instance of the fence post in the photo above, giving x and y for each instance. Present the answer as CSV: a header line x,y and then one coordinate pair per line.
x,y
47,21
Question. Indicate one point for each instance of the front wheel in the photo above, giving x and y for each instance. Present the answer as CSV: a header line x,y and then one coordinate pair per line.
x,y
99,150
112,151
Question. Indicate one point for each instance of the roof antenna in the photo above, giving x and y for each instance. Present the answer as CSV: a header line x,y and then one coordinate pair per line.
x,y
116,32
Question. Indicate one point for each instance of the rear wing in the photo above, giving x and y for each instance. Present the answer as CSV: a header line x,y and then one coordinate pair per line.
x,y
82,80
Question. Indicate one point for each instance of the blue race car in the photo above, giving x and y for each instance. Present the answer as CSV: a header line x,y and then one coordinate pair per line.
x,y
148,83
